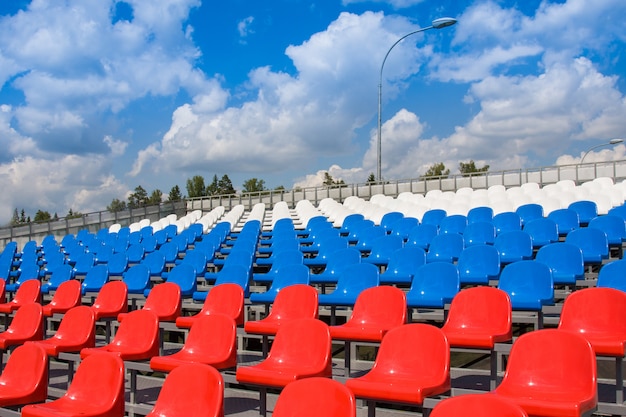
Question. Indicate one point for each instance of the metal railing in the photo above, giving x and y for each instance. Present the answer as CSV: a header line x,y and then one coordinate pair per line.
x,y
508,178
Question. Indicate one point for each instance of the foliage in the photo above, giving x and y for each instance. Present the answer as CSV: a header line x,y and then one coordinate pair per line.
x,y
469,168
213,188
330,182
155,198
436,170
116,205
253,185
139,198
225,185
71,214
42,216
196,187
371,179
175,194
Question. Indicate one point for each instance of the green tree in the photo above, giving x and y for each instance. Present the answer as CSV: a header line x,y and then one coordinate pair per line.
x,y
195,186
15,220
23,218
225,185
469,168
139,198
371,179
253,185
155,198
436,170
213,188
330,182
175,194
42,216
73,214
116,205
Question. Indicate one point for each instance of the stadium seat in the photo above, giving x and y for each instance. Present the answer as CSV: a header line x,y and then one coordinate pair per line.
x,y
184,277
118,264
227,299
24,379
97,389
434,285
528,212
542,231
402,227
164,300
325,252
353,279
565,261
479,233
593,243
65,297
480,214
111,300
286,276
421,235
337,261
507,221
445,248
613,226
77,330
433,216
479,317
212,340
95,279
281,257
477,405
454,223
613,275
136,338
58,275
403,263
27,324
191,390
302,398
376,311
514,246
478,264
585,209
413,362
301,349
27,271
381,250
155,261
137,279
566,220
551,372
26,294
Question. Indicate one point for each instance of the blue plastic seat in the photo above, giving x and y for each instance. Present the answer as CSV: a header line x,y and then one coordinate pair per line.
x,y
433,216
27,271
542,231
593,243
529,212
155,261
328,247
480,214
367,237
356,228
434,285
619,211
59,275
507,221
352,280
84,263
183,275
613,226
279,243
529,285
565,260
349,221
95,279
388,219
403,265
478,264
118,264
137,279
514,246
149,243
613,275
197,259
479,233
403,226
135,253
336,262
382,249
566,220
231,273
445,248
585,209
421,235
454,223
169,251
284,257
285,276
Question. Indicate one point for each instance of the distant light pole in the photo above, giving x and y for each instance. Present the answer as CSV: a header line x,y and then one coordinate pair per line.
x,y
611,142
436,24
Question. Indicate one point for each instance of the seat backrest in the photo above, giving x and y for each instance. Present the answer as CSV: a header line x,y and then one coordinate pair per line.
x,y
165,301
155,261
414,349
613,226
454,223
302,398
507,221
613,275
585,209
137,278
95,278
67,295
479,233
302,341
235,274
593,242
26,368
184,276
565,260
403,226
382,306
354,278
566,220
477,405
27,322
99,381
294,302
478,264
28,292
529,212
58,275
197,259
140,331
445,247
434,285
227,299
111,300
597,312
542,231
528,283
221,330
433,216
481,307
78,326
544,359
192,389
421,235
405,260
480,214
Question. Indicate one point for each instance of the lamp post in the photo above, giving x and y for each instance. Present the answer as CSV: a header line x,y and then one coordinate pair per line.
x,y
611,142
436,24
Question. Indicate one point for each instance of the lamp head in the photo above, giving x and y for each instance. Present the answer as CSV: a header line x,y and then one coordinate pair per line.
x,y
616,141
443,22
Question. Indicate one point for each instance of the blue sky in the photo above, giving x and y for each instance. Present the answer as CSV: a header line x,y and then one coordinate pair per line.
x,y
99,96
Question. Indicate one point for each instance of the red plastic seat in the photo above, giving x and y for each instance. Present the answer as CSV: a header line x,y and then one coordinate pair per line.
x,y
301,349
413,362
477,405
112,300
302,398
28,292
551,372
192,389
296,301
164,300
97,390
376,311
24,379
225,299
77,330
65,297
3,297
212,340
27,324
137,338
480,317
598,315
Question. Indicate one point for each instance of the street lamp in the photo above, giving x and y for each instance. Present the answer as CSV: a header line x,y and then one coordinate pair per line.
x,y
436,24
611,142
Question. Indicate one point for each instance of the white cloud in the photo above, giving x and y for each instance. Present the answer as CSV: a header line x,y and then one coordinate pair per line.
x,y
398,4
244,27
614,153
